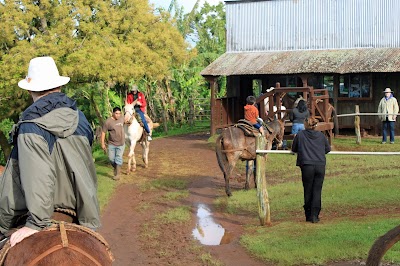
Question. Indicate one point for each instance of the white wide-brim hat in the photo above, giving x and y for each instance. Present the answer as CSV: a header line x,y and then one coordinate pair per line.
x,y
388,90
134,88
42,75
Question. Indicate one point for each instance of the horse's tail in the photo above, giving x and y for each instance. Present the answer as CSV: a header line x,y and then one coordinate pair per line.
x,y
221,157
381,245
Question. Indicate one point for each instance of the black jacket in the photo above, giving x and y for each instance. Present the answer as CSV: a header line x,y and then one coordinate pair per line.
x,y
311,147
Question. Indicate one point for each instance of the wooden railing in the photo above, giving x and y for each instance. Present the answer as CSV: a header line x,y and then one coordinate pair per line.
x,y
226,112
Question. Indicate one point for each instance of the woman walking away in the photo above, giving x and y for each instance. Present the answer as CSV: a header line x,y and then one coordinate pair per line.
x,y
311,147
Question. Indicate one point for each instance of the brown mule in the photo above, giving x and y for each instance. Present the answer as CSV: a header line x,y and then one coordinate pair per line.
x,y
60,244
63,243
233,145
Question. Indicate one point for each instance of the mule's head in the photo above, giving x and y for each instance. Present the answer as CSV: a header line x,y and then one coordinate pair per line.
x,y
280,126
277,126
129,111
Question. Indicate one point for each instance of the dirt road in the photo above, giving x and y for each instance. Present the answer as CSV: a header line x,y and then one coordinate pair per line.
x,y
138,237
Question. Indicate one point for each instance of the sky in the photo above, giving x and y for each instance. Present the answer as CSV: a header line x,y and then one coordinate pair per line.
x,y
187,4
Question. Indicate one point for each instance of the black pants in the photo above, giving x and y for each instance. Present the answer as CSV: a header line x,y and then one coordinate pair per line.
x,y
313,178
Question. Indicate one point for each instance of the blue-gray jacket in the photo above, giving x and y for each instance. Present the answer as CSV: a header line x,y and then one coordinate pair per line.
x,y
50,166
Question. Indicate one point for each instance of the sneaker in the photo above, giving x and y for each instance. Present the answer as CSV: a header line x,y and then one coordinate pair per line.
x,y
149,138
383,142
392,142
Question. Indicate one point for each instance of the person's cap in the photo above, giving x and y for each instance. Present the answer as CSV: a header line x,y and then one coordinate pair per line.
x,y
388,90
134,88
42,75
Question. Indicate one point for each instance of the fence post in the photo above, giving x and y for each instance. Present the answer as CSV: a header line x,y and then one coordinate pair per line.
x,y
357,125
191,112
262,193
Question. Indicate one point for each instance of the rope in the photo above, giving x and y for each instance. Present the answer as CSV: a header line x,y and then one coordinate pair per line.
x,y
4,252
354,114
75,227
334,152
66,211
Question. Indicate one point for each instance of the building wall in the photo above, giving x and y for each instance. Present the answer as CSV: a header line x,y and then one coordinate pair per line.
x,y
311,24
372,123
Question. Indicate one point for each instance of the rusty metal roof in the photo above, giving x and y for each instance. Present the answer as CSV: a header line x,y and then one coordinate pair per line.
x,y
341,61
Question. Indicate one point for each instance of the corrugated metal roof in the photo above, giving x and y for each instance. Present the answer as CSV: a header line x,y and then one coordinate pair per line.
x,y
306,61
257,26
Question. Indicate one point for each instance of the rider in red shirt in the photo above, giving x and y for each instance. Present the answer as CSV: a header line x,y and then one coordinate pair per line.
x,y
136,97
251,113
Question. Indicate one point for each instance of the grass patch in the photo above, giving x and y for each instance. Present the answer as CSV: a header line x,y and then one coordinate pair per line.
x,y
105,184
176,195
367,144
208,260
165,183
342,194
354,185
176,215
149,232
294,243
174,130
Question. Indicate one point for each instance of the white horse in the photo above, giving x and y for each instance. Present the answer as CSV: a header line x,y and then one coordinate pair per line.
x,y
134,133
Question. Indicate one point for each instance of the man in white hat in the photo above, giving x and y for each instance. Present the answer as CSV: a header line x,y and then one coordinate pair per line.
x,y
388,108
51,165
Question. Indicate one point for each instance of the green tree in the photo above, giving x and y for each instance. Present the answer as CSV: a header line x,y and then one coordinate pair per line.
x,y
101,45
208,28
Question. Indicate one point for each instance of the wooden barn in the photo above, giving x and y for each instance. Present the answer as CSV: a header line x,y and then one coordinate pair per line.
x,y
351,48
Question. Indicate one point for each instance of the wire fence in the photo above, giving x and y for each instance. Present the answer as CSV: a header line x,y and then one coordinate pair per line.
x,y
332,152
363,114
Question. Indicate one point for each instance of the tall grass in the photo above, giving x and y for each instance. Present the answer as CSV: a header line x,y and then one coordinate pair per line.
x,y
356,186
105,184
290,243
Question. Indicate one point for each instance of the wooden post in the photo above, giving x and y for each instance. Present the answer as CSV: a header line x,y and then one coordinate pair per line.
x,y
191,112
213,86
357,125
262,193
336,88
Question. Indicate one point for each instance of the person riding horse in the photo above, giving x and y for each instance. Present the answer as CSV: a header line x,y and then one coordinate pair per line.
x,y
137,98
51,163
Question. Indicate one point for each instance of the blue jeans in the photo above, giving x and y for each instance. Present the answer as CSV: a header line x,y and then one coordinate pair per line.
x,y
145,125
385,125
115,154
296,127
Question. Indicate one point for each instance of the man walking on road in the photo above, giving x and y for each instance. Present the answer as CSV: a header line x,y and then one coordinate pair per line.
x,y
116,140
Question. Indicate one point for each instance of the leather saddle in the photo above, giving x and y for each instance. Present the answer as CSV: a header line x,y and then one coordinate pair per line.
x,y
248,129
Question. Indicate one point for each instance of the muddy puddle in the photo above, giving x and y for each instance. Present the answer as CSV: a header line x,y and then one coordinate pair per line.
x,y
207,231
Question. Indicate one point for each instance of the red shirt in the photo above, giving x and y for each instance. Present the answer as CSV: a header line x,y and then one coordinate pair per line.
x,y
251,113
130,98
